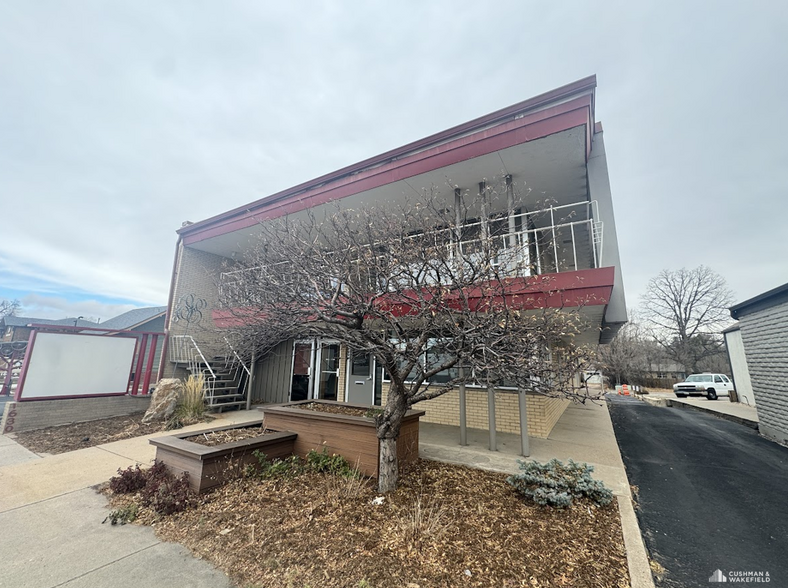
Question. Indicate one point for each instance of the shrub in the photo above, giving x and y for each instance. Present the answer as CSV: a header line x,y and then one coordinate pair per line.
x,y
191,404
170,495
123,515
157,488
278,468
319,462
322,463
556,484
130,480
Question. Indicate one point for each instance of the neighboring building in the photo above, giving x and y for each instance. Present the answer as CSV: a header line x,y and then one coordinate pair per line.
x,y
738,362
148,320
551,142
763,326
18,328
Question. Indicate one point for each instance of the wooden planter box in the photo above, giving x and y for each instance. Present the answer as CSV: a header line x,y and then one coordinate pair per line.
x,y
209,467
352,437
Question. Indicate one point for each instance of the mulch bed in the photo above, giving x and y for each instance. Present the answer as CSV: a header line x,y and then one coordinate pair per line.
x,y
445,526
66,438
335,409
214,438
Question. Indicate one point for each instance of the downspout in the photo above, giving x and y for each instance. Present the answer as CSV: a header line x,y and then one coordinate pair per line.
x,y
168,316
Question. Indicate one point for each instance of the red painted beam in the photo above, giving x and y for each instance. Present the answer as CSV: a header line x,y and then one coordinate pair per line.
x,y
591,287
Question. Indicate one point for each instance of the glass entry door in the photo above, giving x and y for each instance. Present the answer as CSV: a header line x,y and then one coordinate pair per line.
x,y
328,374
301,382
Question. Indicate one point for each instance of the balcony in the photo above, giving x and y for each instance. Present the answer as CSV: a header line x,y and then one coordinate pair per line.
x,y
551,240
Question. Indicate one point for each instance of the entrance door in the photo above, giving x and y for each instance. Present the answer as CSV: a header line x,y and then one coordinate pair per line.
x,y
360,380
301,384
328,372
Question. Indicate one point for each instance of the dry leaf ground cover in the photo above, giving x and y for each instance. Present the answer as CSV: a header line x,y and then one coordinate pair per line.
x,y
213,438
445,526
75,436
80,435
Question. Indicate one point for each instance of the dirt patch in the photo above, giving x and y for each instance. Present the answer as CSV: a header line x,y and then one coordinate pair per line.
x,y
80,435
445,526
214,438
336,409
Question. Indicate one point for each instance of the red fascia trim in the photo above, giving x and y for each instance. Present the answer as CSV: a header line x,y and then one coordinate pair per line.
x,y
538,125
587,84
591,287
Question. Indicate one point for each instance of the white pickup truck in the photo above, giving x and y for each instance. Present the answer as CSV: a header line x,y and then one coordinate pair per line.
x,y
709,385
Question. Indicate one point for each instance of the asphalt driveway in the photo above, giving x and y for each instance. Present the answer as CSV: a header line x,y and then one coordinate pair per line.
x,y
711,494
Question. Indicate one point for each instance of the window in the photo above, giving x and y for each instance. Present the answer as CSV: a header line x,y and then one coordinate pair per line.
x,y
717,380
434,356
726,380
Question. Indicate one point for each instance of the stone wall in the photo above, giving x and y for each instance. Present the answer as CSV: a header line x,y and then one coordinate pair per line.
x,y
39,414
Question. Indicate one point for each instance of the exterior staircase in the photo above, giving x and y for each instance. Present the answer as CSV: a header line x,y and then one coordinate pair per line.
x,y
230,384
226,377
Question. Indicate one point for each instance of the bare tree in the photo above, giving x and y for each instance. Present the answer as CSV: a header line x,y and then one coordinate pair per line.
x,y
412,284
687,310
625,360
9,307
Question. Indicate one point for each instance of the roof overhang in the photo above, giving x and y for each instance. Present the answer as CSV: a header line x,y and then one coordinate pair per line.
x,y
543,142
778,295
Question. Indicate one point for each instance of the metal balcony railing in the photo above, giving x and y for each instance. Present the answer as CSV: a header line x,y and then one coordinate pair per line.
x,y
550,240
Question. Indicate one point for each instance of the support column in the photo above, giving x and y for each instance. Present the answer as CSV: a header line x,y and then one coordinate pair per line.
x,y
463,410
524,444
510,212
491,416
250,385
485,220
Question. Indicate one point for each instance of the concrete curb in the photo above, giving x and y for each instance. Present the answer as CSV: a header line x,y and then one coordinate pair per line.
x,y
637,556
728,417
677,403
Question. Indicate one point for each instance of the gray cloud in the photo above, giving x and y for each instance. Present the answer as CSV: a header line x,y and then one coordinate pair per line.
x,y
121,120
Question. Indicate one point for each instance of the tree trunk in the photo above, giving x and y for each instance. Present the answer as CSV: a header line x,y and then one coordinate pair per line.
x,y
388,471
388,426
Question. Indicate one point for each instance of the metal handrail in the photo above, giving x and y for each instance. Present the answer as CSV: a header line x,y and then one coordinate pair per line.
x,y
522,238
181,343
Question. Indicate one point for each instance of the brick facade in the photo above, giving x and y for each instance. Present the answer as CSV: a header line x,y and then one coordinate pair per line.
x,y
543,413
198,274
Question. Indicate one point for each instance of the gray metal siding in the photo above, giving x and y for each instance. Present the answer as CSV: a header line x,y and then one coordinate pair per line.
x,y
272,375
765,336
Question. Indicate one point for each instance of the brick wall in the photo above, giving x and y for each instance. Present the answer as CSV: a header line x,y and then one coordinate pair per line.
x,y
765,336
543,413
198,274
28,416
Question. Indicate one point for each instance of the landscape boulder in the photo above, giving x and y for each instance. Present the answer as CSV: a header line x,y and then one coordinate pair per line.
x,y
164,400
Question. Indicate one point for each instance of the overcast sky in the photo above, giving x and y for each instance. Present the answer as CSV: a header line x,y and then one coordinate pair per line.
x,y
120,120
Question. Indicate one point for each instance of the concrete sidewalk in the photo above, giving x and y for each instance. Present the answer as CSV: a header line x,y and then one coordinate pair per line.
x,y
51,520
722,408
583,433
51,516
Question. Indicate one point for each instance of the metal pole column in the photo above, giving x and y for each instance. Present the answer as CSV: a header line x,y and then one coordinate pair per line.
x,y
250,384
491,416
463,411
524,445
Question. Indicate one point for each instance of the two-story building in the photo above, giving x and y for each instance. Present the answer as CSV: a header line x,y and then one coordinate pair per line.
x,y
550,144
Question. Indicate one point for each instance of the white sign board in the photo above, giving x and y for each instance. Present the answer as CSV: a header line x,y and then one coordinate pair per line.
x,y
67,365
